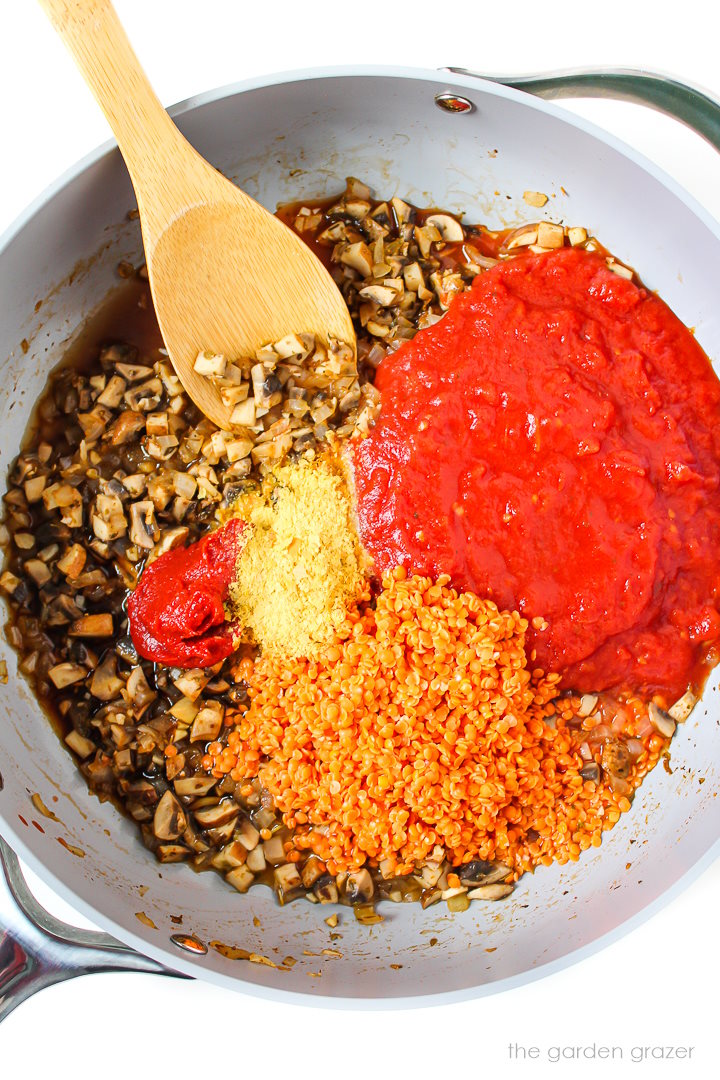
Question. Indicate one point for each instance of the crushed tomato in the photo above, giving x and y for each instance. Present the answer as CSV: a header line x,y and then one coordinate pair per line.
x,y
554,444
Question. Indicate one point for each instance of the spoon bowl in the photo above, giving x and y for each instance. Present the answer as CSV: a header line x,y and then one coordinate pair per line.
x,y
226,275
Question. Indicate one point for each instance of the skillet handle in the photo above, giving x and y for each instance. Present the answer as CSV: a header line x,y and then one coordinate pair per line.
x,y
695,108
37,950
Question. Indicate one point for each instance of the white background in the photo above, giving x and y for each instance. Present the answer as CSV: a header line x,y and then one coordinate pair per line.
x,y
655,987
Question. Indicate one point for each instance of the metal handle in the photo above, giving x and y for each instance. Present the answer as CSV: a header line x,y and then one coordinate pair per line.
x,y
694,107
37,950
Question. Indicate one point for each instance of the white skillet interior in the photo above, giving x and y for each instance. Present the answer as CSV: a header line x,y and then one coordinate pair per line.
x,y
284,138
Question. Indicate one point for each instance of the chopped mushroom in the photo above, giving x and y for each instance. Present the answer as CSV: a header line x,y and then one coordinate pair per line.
x,y
169,821
683,707
490,892
66,674
550,235
142,524
661,721
241,878
449,228
79,744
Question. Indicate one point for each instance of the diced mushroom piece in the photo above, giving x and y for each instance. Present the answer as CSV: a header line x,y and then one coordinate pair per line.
x,y
414,279
587,704
550,235
169,821
591,771
135,484
105,684
424,240
210,364
230,857
256,860
357,256
490,892
184,484
171,853
92,626
72,562
184,710
326,890
145,397
241,878
619,269
402,210
142,524
334,234
9,582
479,872
313,869
522,237
108,521
210,817
161,447
94,423
126,427
356,189
66,674
459,901
138,689
287,880
237,449
169,540
298,345
194,786
207,723
157,424
379,294
38,571
358,209
359,886
577,235
248,835
274,850
67,499
661,721
112,395
243,415
233,395
429,897
449,228
683,707
192,682
447,285
535,198
34,488
80,745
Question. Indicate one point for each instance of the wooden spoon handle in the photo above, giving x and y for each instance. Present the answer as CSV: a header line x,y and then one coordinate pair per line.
x,y
154,150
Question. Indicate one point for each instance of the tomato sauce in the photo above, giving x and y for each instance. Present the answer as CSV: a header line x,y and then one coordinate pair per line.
x,y
554,444
176,612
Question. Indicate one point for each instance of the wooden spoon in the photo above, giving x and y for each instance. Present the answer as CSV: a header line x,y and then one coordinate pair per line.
x,y
225,274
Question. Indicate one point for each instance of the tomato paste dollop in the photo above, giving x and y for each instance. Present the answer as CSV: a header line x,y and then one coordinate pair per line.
x,y
554,444
176,612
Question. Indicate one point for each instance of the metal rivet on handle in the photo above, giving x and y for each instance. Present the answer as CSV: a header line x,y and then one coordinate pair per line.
x,y
453,103
189,943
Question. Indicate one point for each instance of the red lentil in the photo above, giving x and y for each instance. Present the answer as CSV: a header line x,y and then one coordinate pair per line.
x,y
421,725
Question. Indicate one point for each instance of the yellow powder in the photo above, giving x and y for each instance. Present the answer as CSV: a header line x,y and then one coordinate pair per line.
x,y
300,565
